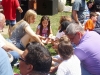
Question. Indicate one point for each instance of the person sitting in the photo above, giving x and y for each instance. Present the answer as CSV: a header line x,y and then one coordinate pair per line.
x,y
44,30
97,27
7,46
5,66
90,24
89,5
87,48
36,60
22,33
64,22
70,64
64,58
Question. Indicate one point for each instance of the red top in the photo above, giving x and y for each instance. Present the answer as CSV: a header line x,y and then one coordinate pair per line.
x,y
9,7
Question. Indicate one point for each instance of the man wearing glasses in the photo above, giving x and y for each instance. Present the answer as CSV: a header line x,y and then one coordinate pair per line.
x,y
36,60
87,48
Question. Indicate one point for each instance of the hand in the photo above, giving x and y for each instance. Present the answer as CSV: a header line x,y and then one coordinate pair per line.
x,y
43,38
53,69
20,10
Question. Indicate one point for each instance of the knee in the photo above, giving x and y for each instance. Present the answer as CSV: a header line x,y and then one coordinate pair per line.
x,y
14,54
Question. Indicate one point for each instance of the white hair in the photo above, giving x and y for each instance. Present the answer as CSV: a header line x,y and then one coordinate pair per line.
x,y
73,28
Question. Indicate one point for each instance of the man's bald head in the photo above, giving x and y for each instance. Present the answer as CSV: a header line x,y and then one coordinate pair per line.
x,y
2,21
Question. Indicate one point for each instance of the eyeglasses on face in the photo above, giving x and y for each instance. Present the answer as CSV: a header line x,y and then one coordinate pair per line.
x,y
72,38
21,59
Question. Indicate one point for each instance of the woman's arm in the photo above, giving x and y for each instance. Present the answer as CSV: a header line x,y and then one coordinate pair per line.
x,y
32,34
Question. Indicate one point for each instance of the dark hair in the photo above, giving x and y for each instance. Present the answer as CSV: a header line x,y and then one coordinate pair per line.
x,y
39,57
90,1
41,26
65,48
96,6
64,25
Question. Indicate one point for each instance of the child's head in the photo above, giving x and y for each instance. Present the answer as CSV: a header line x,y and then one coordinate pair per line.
x,y
65,18
93,16
64,25
45,23
30,16
90,4
65,48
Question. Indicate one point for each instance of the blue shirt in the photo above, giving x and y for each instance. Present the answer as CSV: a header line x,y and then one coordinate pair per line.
x,y
5,66
88,51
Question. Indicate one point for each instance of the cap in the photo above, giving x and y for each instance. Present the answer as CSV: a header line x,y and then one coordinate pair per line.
x,y
64,25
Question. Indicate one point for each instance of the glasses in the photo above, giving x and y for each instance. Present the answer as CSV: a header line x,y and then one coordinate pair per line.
x,y
22,59
72,38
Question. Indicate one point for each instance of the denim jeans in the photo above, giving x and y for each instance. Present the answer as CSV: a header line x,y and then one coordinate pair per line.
x,y
10,22
15,57
14,54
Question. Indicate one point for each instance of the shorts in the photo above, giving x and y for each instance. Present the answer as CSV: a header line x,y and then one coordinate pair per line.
x,y
20,45
10,22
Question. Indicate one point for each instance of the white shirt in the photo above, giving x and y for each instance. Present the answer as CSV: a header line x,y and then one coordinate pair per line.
x,y
70,67
2,43
59,34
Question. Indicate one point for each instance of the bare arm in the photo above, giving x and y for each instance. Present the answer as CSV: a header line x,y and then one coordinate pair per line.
x,y
1,7
20,9
59,60
75,16
9,46
37,31
32,34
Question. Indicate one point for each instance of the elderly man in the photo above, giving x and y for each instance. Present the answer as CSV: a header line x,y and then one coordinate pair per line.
x,y
35,60
87,47
4,44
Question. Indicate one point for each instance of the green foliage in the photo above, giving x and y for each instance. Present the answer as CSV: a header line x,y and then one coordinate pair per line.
x,y
16,70
51,50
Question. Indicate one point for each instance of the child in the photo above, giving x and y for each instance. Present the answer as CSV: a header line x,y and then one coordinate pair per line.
x,y
90,4
44,30
64,18
90,24
23,34
66,62
64,22
70,64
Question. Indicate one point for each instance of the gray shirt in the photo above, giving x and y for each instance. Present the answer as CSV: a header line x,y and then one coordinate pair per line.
x,y
19,32
82,10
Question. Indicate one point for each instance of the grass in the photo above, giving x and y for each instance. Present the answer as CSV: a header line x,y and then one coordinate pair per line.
x,y
54,19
